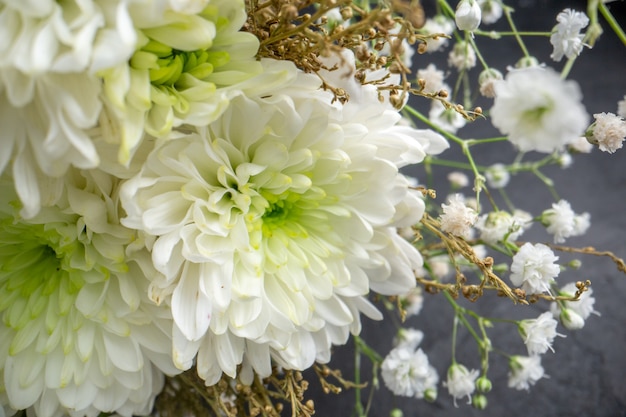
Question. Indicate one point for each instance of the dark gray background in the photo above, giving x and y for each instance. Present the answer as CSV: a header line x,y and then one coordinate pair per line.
x,y
587,374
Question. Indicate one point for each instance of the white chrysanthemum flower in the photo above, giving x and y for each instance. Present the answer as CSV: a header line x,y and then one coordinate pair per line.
x,y
491,11
621,108
433,79
497,176
182,73
462,56
461,382
573,314
79,335
608,132
525,371
65,37
534,268
562,222
449,120
439,24
407,373
467,15
408,338
457,218
566,37
539,333
538,110
271,232
499,226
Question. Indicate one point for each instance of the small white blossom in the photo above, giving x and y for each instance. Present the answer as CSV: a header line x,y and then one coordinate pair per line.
x,y
499,226
564,160
534,268
573,314
562,222
580,145
407,373
621,108
433,79
491,11
446,119
458,179
462,56
461,382
538,110
497,176
457,218
539,333
467,15
487,80
437,25
413,301
608,132
566,37
525,371
408,338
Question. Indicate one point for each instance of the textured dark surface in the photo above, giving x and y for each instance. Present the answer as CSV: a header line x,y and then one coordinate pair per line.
x,y
587,374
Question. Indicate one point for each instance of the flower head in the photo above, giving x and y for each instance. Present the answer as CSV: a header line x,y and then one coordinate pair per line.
x,y
457,218
539,333
491,11
79,335
607,132
573,314
460,382
562,222
525,371
407,373
499,226
538,110
439,24
462,56
534,268
270,233
467,15
566,37
497,176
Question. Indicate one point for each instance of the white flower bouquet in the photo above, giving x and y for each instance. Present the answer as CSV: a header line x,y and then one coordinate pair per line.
x,y
200,199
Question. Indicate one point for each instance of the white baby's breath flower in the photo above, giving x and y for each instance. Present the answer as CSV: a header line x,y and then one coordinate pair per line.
x,y
439,24
491,11
538,110
407,373
433,79
467,15
534,268
621,108
446,119
580,145
608,132
566,37
270,233
462,56
499,226
487,79
79,335
497,176
525,371
457,218
412,301
408,338
539,333
573,314
461,382
562,222
458,179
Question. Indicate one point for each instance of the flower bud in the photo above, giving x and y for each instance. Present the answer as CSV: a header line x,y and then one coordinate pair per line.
x,y
483,384
479,402
430,395
396,412
468,14
571,320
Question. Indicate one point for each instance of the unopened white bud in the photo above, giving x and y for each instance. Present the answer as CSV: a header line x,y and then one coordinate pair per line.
x,y
468,14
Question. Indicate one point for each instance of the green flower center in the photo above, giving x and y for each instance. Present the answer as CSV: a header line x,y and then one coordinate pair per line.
x,y
282,214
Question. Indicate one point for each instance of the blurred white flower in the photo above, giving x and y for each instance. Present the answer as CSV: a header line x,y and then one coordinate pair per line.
x,y
407,373
462,56
566,37
621,108
499,226
79,335
497,176
562,222
446,119
457,218
525,371
467,15
412,301
580,145
461,382
433,79
539,333
491,11
538,110
607,132
458,179
573,314
534,268
408,338
487,80
271,232
439,24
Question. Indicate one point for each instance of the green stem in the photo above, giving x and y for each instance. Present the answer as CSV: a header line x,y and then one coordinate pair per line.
x,y
608,16
507,13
